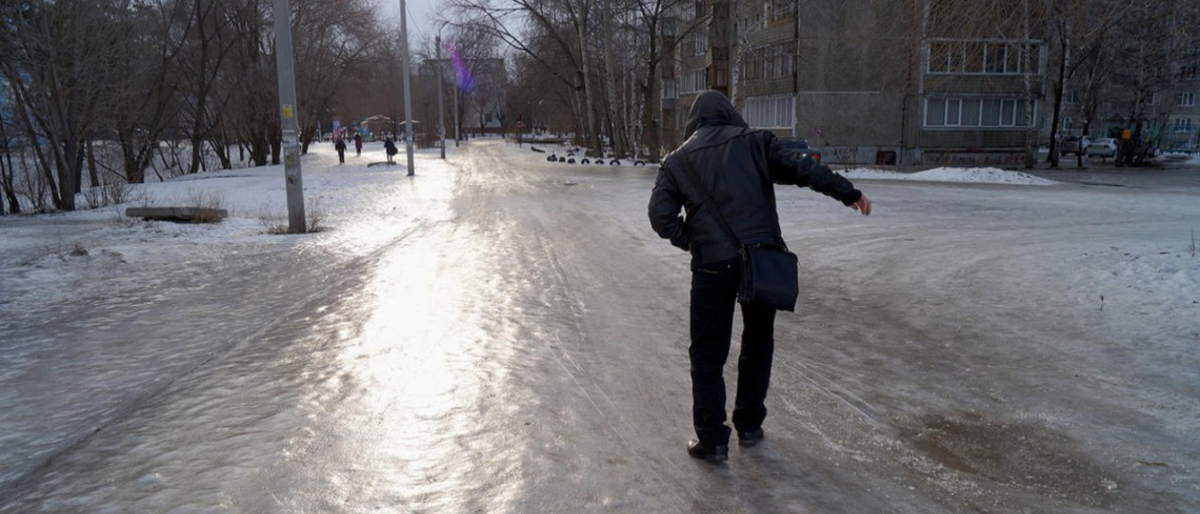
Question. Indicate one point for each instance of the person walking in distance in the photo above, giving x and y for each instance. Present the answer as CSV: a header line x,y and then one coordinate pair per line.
x,y
390,147
725,170
357,144
340,145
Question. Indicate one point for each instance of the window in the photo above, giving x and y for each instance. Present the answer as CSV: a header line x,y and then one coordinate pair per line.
x,y
694,81
935,113
953,108
669,27
1186,99
700,41
770,111
970,112
1070,97
670,89
975,112
1188,72
939,57
770,61
779,10
994,58
1183,125
973,57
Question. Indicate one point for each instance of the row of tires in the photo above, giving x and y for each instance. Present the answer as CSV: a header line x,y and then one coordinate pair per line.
x,y
585,160
570,158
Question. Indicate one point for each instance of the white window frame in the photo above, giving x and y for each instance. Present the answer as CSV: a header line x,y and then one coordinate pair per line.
x,y
1186,99
955,62
700,40
770,112
693,81
1183,125
1009,113
670,89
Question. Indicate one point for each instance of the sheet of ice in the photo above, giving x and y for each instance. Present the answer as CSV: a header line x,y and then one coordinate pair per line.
x,y
524,322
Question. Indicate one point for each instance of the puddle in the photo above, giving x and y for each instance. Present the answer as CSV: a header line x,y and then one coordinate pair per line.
x,y
1024,455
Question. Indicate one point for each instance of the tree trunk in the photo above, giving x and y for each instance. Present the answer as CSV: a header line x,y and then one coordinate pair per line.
x,y
135,170
651,104
221,148
197,136
43,162
1064,46
616,114
593,133
91,162
6,178
1027,83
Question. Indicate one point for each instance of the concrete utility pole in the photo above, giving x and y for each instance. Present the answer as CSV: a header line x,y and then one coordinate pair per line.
x,y
408,131
287,108
441,85
456,135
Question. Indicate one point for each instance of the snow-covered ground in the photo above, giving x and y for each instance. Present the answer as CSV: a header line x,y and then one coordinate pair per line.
x,y
976,175
988,340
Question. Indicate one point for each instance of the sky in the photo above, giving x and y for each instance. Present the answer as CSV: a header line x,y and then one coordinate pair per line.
x,y
419,12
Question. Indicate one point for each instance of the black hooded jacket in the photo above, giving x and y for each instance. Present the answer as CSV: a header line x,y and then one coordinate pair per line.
x,y
736,165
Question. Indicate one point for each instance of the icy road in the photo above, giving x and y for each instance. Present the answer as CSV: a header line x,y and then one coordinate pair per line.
x,y
502,334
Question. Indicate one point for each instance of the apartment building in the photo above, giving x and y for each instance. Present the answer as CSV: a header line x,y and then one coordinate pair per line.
x,y
1180,130
873,81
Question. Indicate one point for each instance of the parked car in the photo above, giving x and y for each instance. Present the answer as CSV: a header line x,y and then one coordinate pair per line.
x,y
1103,147
1074,144
799,145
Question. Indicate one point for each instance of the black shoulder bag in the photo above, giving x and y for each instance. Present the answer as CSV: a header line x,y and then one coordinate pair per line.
x,y
770,273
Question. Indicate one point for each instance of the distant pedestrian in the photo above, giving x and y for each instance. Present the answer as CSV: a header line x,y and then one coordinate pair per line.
x,y
341,148
722,179
390,147
357,144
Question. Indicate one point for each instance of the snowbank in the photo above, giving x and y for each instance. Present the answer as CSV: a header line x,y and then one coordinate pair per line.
x,y
976,175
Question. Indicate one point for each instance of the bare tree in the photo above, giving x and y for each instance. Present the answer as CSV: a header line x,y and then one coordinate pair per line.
x,y
333,47
10,203
563,23
62,63
1078,34
1156,39
145,111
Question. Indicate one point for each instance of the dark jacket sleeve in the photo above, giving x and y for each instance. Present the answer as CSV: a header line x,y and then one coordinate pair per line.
x,y
787,168
666,201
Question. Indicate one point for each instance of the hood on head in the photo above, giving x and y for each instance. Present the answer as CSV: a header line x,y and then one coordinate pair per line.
x,y
711,108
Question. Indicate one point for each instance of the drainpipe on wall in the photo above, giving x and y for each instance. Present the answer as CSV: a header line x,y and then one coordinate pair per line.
x,y
795,75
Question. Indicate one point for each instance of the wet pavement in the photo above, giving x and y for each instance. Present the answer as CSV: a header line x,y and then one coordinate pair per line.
x,y
515,341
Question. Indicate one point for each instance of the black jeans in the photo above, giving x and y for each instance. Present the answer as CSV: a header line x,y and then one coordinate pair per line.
x,y
714,293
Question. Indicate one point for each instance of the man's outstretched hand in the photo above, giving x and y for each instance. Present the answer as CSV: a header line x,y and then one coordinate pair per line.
x,y
863,205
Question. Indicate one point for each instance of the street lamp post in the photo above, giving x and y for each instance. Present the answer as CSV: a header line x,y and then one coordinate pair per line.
x,y
441,85
287,107
456,92
404,70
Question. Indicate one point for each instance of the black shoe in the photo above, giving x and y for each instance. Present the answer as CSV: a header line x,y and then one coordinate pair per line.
x,y
750,438
700,450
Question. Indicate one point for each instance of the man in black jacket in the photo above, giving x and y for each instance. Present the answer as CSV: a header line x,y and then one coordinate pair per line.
x,y
736,165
